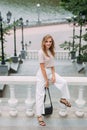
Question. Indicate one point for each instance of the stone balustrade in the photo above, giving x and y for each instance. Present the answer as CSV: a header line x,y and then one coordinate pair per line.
x,y
60,55
29,102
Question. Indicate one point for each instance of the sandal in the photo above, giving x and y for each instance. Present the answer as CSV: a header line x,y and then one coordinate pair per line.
x,y
65,102
40,121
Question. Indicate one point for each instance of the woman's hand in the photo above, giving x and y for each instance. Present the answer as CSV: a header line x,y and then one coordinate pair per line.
x,y
47,84
53,79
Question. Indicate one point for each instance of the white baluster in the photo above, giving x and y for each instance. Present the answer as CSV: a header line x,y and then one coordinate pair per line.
x,y
56,55
0,105
80,102
37,55
29,102
63,110
34,55
66,56
59,56
63,55
27,54
12,102
31,55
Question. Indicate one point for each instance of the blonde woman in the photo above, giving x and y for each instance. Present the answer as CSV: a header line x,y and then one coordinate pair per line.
x,y
46,74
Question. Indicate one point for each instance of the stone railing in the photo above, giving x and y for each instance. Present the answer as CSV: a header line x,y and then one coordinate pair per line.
x,y
60,55
29,102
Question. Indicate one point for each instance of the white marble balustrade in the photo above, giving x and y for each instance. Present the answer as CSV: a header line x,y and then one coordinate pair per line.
x,y
60,55
29,102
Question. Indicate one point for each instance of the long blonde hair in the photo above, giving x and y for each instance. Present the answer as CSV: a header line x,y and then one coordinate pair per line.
x,y
45,38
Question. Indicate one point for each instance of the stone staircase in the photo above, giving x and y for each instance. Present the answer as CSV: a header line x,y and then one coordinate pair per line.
x,y
31,123
54,122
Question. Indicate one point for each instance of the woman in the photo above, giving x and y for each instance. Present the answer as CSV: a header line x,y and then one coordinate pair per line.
x,y
46,74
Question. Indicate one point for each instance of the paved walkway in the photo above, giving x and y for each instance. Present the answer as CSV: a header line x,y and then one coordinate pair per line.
x,y
60,33
55,122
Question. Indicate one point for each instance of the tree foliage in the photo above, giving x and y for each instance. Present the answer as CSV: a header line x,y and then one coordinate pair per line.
x,y
6,28
79,9
75,6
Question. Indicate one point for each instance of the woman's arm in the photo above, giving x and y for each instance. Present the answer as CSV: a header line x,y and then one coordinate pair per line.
x,y
44,74
53,75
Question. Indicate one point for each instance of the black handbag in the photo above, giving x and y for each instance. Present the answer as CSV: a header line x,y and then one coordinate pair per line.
x,y
48,108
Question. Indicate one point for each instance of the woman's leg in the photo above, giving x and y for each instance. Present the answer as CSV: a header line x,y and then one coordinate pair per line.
x,y
40,91
40,121
61,84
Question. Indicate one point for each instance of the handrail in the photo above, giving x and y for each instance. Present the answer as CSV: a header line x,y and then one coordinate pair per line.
x,y
32,79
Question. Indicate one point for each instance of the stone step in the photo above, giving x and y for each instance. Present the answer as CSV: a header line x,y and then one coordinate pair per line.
x,y
41,128
51,124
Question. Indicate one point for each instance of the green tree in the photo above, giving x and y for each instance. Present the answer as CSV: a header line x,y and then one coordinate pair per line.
x,y
6,31
75,6
78,8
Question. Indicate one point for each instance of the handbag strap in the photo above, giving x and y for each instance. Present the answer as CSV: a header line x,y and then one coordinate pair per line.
x,y
48,95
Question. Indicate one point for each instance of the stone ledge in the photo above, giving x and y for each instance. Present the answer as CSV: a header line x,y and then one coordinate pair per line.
x,y
80,67
14,67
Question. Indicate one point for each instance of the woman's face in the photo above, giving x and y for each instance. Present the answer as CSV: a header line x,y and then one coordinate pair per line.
x,y
48,43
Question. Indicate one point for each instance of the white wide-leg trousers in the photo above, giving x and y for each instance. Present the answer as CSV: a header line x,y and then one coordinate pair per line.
x,y
60,83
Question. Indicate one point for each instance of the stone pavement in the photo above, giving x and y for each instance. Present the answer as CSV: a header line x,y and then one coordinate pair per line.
x,y
32,124
60,33
55,122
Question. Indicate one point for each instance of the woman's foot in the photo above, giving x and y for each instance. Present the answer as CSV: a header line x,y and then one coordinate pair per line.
x,y
40,121
65,102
